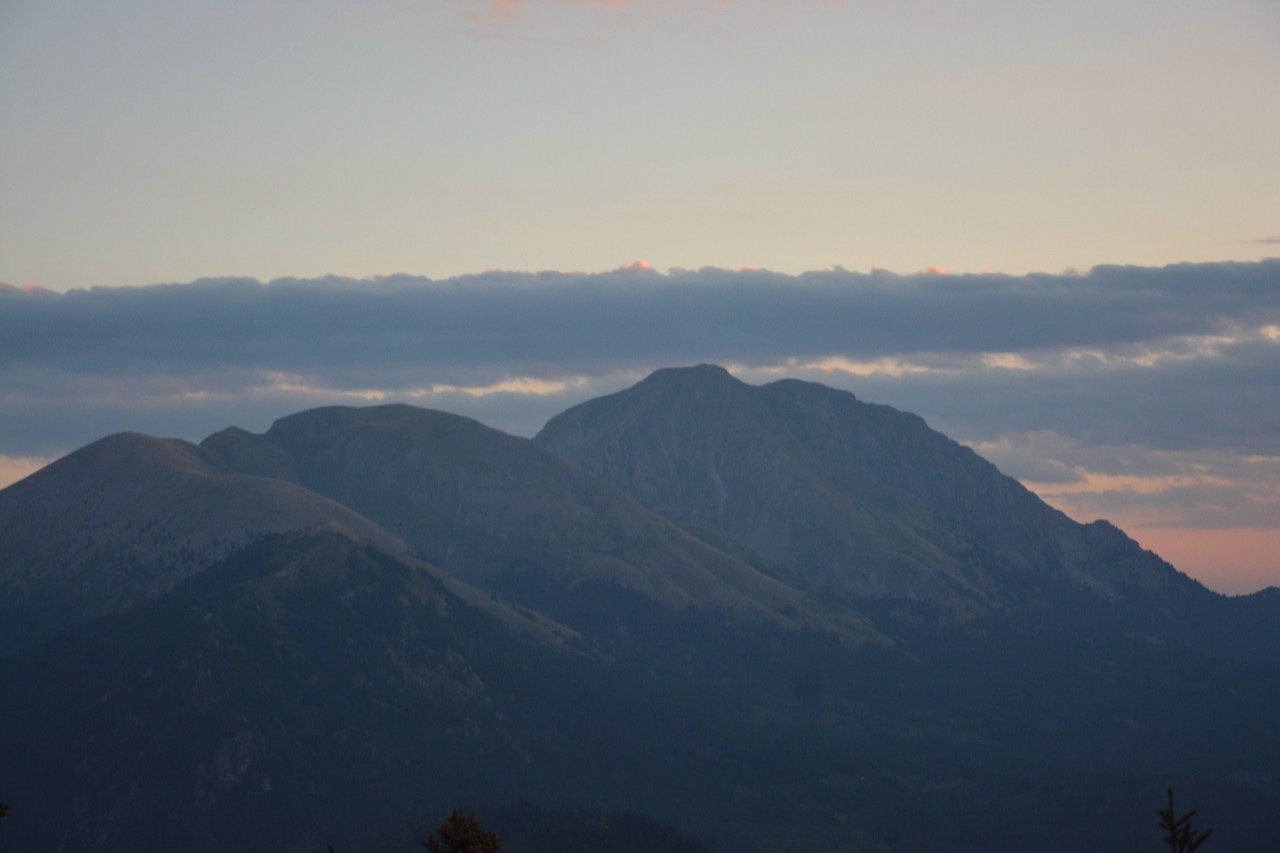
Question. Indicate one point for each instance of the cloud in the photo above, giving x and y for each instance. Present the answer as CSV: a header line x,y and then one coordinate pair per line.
x,y
641,265
556,320
866,367
1223,398
1176,355
1200,489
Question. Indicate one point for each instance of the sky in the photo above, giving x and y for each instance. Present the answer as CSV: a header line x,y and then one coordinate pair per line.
x,y
1044,227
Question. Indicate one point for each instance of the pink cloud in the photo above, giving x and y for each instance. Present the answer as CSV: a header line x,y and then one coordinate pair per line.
x,y
24,288
637,266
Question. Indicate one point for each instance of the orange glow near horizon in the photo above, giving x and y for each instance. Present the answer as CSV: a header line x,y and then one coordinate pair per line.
x,y
1232,560
1094,482
15,468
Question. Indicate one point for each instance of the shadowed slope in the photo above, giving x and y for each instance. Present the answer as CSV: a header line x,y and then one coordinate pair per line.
x,y
306,689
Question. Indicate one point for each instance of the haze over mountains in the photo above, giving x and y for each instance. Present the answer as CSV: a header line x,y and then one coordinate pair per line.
x,y
765,615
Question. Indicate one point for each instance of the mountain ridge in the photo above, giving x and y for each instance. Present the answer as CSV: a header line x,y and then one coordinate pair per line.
x,y
428,611
510,517
129,516
855,499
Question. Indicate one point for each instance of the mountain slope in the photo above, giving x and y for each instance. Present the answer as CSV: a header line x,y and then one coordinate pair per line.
x,y
326,684
127,517
859,500
509,517
311,689
304,690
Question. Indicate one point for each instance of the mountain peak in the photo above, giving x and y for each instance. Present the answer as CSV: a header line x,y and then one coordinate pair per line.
x,y
833,493
128,450
695,376
802,386
359,415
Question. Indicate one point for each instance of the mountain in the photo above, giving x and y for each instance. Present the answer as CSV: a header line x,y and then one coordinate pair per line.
x,y
513,519
860,502
301,691
363,616
129,516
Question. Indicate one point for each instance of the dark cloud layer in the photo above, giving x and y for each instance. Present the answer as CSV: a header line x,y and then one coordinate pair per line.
x,y
1181,357
1227,400
468,328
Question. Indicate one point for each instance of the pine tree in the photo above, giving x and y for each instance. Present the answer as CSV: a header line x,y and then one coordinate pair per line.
x,y
462,833
1181,835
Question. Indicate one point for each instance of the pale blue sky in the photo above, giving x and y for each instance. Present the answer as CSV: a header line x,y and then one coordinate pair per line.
x,y
150,141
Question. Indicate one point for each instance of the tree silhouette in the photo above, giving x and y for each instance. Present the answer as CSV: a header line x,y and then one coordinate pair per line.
x,y
1181,835
462,833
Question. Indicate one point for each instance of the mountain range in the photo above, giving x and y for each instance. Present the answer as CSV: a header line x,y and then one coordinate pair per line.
x,y
773,617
